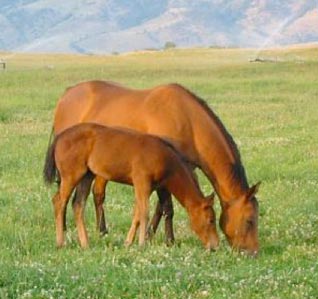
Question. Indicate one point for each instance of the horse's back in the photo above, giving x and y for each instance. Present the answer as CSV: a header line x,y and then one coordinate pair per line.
x,y
164,110
105,102
93,101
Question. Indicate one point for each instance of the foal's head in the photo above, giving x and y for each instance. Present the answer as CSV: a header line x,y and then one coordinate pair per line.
x,y
239,222
203,223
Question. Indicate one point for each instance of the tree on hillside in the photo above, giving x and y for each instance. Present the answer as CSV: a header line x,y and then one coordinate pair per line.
x,y
169,45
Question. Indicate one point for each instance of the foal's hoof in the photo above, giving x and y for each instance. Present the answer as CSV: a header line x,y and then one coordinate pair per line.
x,y
84,246
127,244
60,246
142,244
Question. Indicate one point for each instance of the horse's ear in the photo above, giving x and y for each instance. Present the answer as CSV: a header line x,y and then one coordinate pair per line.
x,y
210,198
252,191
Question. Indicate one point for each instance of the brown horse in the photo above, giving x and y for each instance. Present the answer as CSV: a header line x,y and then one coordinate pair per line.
x,y
172,112
128,157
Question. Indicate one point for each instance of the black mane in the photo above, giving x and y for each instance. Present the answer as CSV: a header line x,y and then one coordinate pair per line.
x,y
238,171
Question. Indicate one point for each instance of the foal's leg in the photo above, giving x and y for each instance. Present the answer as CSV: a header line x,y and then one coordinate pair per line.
x,y
142,192
143,203
141,210
99,198
134,226
79,201
164,208
60,201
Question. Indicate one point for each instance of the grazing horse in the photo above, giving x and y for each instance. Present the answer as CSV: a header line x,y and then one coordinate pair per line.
x,y
174,113
144,161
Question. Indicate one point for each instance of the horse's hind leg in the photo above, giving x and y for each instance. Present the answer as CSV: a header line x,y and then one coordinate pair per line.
x,y
164,208
79,201
168,212
152,229
64,220
60,201
99,198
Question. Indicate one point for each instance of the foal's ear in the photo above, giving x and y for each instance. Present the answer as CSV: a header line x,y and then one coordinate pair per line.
x,y
210,198
252,191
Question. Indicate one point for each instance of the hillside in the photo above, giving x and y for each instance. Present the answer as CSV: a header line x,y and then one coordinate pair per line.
x,y
98,26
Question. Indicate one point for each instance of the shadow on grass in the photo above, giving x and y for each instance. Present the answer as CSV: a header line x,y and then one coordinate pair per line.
x,y
273,249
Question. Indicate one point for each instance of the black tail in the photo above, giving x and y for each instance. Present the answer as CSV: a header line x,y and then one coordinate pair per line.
x,y
49,170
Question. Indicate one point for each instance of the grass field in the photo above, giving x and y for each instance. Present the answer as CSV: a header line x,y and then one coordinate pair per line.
x,y
271,109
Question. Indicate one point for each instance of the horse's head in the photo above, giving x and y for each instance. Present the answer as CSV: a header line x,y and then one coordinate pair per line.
x,y
239,222
203,223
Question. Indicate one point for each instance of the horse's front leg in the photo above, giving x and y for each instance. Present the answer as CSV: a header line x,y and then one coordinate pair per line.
x,y
99,198
164,208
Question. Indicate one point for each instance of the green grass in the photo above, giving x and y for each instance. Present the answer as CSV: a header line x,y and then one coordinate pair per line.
x,y
271,111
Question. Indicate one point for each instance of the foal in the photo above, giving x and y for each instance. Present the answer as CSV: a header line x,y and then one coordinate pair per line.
x,y
144,161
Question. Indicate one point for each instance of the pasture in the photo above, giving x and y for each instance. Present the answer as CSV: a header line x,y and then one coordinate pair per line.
x,y
271,110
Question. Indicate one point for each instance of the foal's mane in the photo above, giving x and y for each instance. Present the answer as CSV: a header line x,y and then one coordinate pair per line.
x,y
182,157
237,172
186,162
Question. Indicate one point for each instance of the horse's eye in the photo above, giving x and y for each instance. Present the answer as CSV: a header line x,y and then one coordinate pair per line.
x,y
250,223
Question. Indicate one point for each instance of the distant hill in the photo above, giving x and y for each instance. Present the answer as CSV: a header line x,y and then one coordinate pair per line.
x,y
99,26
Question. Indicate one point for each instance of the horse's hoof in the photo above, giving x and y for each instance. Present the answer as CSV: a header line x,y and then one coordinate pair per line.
x,y
103,233
170,242
150,234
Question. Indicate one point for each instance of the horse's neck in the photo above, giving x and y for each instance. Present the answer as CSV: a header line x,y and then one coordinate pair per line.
x,y
221,162
183,186
226,186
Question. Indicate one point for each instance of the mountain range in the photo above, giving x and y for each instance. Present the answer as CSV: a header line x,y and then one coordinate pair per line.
x,y
106,26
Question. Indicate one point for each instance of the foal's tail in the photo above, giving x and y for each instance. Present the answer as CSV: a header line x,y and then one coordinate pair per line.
x,y
49,170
